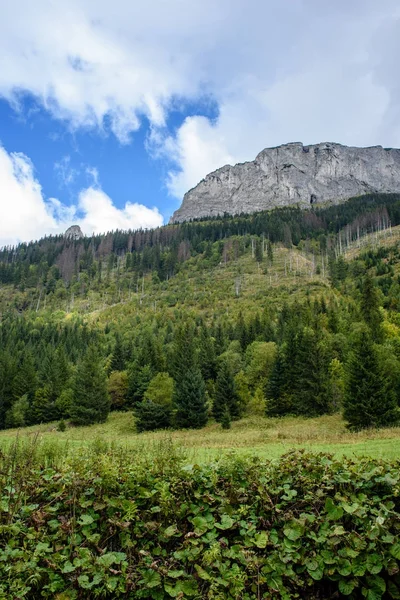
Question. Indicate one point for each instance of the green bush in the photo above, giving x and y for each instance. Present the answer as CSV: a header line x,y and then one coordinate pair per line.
x,y
104,526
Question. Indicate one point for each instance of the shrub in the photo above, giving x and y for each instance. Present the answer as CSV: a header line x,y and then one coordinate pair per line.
x,y
307,526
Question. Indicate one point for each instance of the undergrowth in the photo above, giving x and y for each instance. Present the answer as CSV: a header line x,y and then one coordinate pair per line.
x,y
111,522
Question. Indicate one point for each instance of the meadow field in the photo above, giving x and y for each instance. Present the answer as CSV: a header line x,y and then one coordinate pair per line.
x,y
253,436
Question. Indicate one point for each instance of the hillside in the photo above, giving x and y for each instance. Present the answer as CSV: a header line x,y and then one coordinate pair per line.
x,y
207,410
251,315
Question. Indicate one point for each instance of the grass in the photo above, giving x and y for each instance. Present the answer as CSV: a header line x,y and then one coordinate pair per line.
x,y
266,438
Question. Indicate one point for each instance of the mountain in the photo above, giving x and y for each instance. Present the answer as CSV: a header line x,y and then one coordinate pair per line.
x,y
293,174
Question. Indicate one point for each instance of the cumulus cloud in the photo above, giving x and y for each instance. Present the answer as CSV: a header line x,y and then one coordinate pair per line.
x,y
278,71
23,212
100,214
26,215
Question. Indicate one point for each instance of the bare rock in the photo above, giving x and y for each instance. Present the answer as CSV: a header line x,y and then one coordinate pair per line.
x,y
293,174
73,233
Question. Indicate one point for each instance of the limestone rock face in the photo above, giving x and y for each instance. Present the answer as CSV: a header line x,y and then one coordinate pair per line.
x,y
73,233
293,174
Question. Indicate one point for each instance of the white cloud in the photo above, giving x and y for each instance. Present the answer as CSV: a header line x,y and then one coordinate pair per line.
x,y
303,70
26,215
100,215
23,212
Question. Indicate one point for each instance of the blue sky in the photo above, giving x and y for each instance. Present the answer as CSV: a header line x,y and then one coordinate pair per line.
x,y
109,112
67,161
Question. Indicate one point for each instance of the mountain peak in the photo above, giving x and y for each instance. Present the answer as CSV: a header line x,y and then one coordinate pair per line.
x,y
293,174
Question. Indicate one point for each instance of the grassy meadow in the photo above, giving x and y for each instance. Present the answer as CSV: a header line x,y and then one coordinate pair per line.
x,y
253,436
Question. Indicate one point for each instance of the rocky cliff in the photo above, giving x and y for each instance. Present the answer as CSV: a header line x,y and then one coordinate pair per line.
x,y
73,233
293,174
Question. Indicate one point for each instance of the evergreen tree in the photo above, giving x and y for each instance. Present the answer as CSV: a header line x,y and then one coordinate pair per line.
x,y
241,332
118,356
258,251
138,381
151,416
370,306
184,352
190,400
226,398
26,381
279,402
42,409
91,403
226,420
310,385
8,371
369,399
207,358
270,253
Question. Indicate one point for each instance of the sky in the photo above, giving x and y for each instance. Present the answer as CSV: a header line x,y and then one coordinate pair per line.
x,y
111,111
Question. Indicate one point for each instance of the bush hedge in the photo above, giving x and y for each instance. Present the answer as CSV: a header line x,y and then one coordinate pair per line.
x,y
107,524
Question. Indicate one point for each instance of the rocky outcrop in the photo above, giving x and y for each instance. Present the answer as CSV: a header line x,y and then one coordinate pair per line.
x,y
293,174
73,233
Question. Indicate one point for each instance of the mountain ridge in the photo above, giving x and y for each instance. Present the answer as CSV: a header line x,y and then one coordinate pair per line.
x,y
293,174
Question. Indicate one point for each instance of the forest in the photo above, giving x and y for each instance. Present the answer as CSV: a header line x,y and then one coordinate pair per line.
x,y
68,354
207,410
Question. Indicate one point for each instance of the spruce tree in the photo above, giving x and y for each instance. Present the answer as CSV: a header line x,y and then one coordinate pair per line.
x,y
151,416
207,358
184,352
370,307
138,381
190,400
8,371
226,398
190,389
369,399
25,381
91,403
270,253
279,402
309,384
118,357
258,252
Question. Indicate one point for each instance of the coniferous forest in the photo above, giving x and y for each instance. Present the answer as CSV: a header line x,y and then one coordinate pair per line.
x,y
109,322
282,317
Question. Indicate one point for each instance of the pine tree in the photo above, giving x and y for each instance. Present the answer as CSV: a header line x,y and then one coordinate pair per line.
x,y
226,398
190,400
91,403
369,399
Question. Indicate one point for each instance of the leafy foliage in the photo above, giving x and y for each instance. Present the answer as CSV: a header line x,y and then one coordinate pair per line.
x,y
306,526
